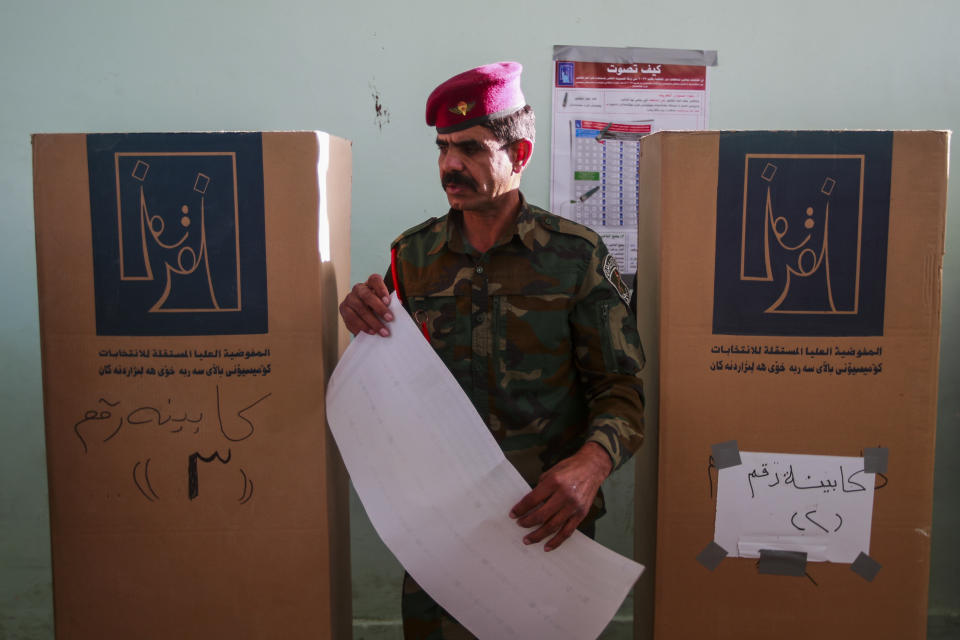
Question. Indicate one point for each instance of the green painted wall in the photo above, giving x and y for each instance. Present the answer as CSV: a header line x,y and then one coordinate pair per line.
x,y
362,70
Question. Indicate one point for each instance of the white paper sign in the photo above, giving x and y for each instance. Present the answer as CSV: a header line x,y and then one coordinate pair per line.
x,y
822,505
438,490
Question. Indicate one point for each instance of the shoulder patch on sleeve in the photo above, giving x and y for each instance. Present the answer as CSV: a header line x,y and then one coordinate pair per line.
x,y
412,230
612,273
565,226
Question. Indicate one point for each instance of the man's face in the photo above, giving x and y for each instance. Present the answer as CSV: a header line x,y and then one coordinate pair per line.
x,y
475,169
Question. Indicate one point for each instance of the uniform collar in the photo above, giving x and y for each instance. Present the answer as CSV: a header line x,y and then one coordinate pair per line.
x,y
523,228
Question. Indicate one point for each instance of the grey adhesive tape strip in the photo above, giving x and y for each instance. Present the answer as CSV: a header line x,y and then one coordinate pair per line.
x,y
711,556
875,459
782,563
726,454
865,567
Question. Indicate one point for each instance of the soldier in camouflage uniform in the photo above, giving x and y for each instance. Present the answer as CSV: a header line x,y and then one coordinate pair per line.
x,y
527,310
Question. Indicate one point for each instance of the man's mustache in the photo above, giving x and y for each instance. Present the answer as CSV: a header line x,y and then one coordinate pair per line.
x,y
455,177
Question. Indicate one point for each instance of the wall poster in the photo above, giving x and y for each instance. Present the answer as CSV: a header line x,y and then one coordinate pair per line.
x,y
604,100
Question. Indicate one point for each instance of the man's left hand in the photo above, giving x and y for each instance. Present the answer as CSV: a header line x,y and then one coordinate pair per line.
x,y
563,496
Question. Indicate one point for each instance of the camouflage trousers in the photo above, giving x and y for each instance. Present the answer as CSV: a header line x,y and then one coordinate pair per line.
x,y
424,619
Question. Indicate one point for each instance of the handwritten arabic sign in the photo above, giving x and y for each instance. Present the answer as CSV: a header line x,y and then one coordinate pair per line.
x,y
821,505
216,431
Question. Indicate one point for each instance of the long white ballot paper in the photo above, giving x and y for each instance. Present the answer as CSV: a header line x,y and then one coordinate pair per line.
x,y
438,490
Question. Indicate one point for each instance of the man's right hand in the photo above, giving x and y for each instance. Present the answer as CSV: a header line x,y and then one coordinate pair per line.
x,y
366,307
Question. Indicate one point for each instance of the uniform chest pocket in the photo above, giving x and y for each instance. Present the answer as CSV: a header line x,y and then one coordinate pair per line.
x,y
534,324
438,313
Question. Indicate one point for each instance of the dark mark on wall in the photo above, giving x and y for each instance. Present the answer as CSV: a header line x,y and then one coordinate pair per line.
x,y
382,113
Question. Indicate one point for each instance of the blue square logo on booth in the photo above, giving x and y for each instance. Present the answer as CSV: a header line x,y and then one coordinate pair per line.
x,y
178,233
802,221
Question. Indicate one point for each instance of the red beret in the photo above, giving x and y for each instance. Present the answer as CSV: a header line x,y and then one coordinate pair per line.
x,y
476,96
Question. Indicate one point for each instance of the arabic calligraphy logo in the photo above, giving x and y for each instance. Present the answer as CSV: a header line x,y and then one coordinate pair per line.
x,y
789,220
176,219
168,224
802,230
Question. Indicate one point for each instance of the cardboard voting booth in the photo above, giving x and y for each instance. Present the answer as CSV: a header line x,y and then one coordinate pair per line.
x,y
796,279
188,293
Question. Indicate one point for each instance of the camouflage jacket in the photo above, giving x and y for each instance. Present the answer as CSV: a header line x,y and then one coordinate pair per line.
x,y
537,331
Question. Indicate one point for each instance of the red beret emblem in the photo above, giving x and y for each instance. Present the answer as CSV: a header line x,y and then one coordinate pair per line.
x,y
462,108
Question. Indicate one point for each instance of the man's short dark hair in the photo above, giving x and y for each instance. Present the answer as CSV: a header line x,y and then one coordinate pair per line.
x,y
516,126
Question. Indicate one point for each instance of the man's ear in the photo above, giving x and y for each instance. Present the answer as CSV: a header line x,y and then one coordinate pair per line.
x,y
520,152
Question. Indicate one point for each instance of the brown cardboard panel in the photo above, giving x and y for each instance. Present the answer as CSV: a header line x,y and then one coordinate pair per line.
x,y
194,491
712,388
647,292
338,184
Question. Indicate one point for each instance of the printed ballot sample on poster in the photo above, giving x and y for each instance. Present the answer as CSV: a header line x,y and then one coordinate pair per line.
x,y
438,490
820,505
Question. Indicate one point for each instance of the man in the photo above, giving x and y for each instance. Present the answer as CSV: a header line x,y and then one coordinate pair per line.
x,y
526,309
